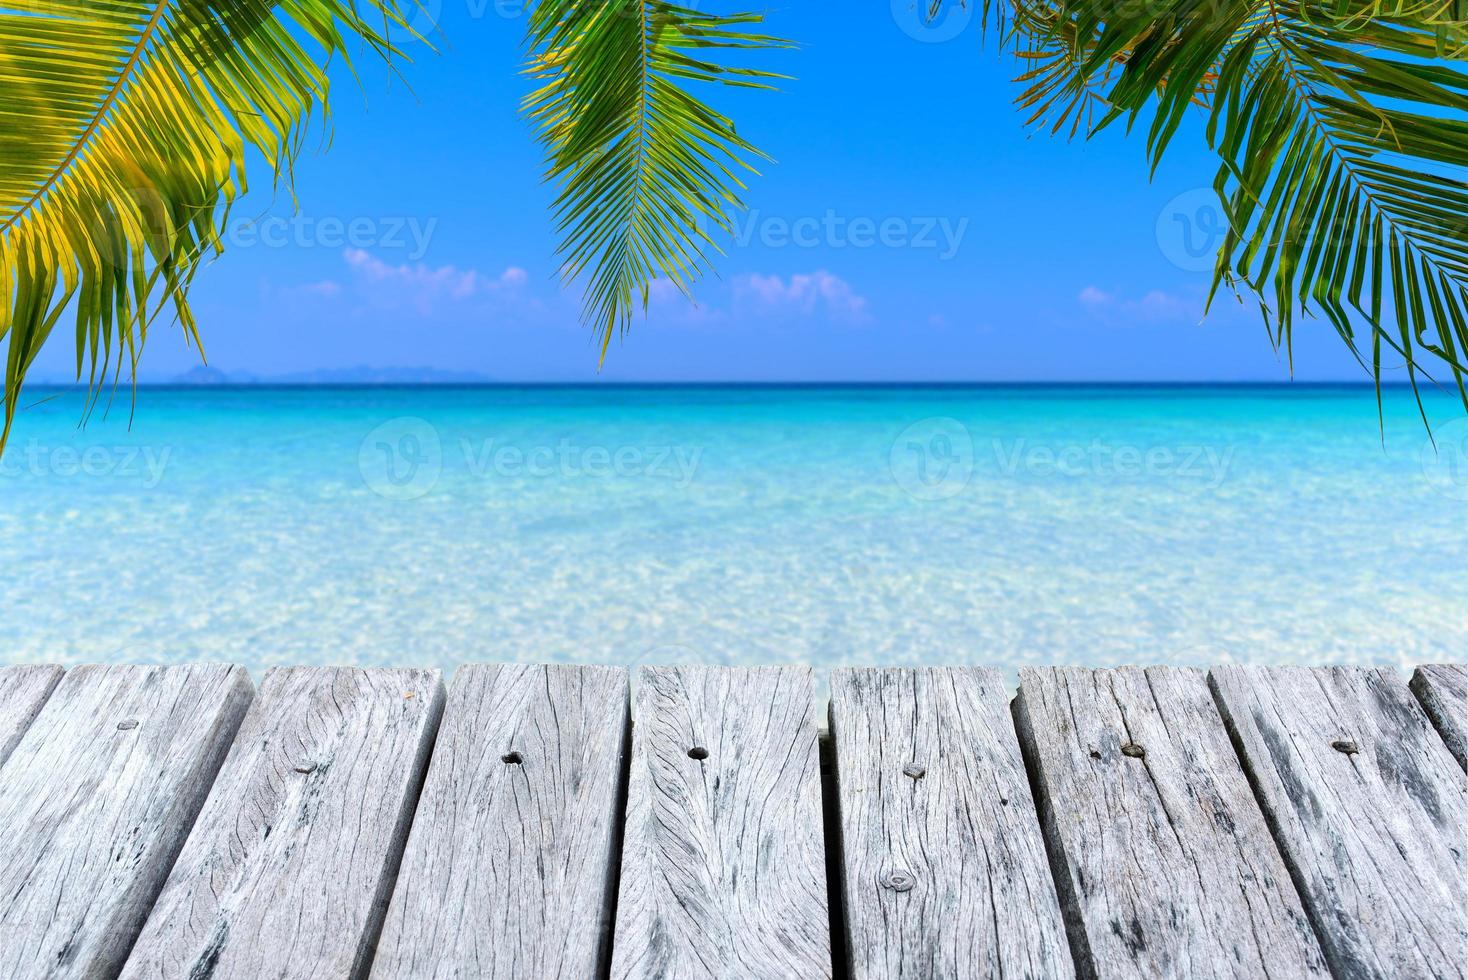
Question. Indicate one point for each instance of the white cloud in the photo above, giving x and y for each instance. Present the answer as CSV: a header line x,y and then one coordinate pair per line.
x,y
418,281
668,304
663,290
417,285
1155,306
370,281
773,296
326,289
805,293
1158,305
1095,299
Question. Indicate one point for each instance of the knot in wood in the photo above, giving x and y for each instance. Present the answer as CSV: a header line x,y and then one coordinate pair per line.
x,y
914,770
306,768
1133,751
1346,746
898,880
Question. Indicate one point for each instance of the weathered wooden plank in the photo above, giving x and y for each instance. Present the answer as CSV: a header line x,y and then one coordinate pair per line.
x,y
510,869
945,872
96,800
723,873
1443,691
289,867
1164,863
23,689
1368,808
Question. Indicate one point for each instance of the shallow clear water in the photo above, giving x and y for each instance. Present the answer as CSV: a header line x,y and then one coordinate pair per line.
x,y
826,526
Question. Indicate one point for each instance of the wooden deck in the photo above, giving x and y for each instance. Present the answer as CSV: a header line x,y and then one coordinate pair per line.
x,y
536,822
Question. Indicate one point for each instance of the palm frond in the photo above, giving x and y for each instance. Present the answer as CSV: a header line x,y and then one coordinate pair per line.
x,y
646,171
1055,93
123,131
1342,128
1363,210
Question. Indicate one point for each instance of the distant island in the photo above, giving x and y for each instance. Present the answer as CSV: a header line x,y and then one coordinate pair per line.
x,y
205,376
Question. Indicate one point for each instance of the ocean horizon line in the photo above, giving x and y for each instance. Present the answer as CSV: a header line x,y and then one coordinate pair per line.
x,y
808,385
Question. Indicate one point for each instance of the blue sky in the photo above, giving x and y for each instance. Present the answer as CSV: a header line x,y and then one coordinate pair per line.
x,y
911,228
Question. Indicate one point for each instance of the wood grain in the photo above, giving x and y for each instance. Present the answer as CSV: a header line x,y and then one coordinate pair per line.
x,y
1368,808
97,800
723,873
1165,865
23,689
1443,691
945,871
509,872
289,868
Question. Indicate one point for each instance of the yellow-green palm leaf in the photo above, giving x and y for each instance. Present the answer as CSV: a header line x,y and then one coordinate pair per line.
x,y
123,131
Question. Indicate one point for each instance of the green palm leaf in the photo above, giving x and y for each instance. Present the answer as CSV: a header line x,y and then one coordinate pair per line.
x,y
123,131
1342,129
646,170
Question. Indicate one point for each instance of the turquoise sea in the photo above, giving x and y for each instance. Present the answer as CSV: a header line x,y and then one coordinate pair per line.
x,y
820,525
